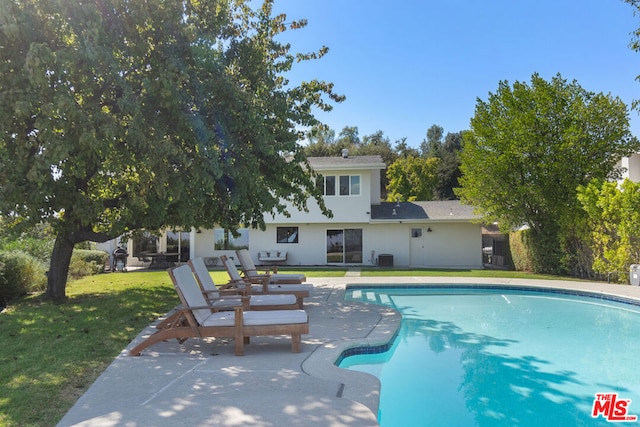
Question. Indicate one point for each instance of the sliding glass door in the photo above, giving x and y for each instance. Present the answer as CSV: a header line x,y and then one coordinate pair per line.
x,y
344,246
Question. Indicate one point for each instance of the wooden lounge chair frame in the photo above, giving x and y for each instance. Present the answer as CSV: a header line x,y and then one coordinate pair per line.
x,y
250,271
236,280
183,325
220,296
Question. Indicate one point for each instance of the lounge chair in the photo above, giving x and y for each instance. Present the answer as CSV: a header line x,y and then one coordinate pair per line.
x,y
197,319
226,297
250,271
262,285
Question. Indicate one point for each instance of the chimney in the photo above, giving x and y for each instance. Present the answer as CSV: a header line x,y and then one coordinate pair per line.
x,y
345,153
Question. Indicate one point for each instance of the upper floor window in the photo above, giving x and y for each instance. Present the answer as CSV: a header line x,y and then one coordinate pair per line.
x,y
343,185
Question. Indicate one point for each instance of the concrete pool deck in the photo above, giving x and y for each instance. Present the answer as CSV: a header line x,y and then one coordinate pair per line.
x,y
201,382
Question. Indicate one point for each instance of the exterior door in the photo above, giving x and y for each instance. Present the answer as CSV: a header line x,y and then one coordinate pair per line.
x,y
178,242
353,246
418,252
335,246
344,246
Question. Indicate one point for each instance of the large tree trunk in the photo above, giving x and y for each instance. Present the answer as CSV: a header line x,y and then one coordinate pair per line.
x,y
59,267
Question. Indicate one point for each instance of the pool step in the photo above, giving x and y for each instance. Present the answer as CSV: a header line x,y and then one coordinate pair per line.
x,y
365,296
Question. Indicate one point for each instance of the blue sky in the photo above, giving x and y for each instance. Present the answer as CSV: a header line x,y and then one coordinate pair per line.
x,y
405,65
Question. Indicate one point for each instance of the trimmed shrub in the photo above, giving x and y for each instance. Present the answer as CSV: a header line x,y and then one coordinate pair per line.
x,y
20,273
87,262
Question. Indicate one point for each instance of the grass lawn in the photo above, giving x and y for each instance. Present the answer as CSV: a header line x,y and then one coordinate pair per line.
x,y
51,353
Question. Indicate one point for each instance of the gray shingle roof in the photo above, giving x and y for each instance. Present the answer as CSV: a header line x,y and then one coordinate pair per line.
x,y
445,210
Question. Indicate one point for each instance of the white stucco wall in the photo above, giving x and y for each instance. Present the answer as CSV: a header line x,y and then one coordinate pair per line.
x,y
448,245
632,167
202,244
310,249
454,246
344,208
376,197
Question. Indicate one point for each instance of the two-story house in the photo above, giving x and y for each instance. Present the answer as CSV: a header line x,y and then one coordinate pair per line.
x,y
437,234
364,230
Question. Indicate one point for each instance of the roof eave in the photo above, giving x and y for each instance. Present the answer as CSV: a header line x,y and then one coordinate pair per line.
x,y
349,167
422,220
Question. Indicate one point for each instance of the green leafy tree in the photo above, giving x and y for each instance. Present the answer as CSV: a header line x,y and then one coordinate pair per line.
x,y
320,142
376,144
348,139
430,147
348,136
530,147
614,218
118,115
449,167
412,178
635,41
403,150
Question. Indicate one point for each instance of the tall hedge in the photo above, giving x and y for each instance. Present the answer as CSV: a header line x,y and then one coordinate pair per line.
x,y
519,244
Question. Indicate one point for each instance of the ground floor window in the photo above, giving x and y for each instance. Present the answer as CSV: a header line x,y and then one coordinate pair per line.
x,y
178,243
225,240
344,246
287,234
144,243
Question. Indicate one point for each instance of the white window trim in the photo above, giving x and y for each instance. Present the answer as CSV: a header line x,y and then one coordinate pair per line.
x,y
337,185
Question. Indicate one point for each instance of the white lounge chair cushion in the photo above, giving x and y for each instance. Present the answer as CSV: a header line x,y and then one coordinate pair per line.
x,y
220,318
258,300
302,287
287,276
225,302
275,317
258,318
292,287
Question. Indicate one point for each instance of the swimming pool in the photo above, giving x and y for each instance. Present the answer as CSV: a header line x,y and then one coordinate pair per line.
x,y
502,357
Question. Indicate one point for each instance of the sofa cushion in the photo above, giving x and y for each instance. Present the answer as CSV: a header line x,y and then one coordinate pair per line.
x,y
272,255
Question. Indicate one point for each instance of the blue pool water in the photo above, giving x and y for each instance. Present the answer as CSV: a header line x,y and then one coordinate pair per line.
x,y
498,357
